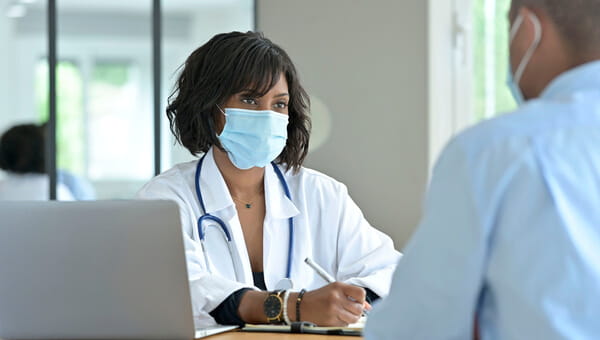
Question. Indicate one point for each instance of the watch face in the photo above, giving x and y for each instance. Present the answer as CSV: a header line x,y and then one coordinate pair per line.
x,y
272,306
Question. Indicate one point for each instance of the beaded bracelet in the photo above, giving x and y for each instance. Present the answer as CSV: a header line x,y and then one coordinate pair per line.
x,y
286,318
298,301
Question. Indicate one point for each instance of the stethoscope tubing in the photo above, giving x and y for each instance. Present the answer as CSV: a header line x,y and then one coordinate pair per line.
x,y
223,226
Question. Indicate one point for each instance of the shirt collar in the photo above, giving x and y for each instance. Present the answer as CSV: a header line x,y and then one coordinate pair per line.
x,y
217,197
583,77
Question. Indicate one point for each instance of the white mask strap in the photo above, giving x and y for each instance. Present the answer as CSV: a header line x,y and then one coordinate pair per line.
x,y
220,109
515,27
537,27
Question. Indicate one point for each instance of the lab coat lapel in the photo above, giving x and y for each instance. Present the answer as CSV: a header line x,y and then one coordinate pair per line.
x,y
218,202
276,229
214,189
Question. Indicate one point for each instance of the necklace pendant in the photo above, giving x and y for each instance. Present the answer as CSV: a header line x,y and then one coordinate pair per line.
x,y
248,206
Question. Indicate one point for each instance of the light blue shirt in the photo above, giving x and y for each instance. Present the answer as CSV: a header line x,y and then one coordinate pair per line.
x,y
511,228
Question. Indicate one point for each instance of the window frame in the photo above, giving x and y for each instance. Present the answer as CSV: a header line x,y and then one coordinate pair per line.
x,y
450,79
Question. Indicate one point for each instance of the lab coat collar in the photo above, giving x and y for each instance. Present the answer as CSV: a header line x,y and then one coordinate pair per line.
x,y
217,197
214,189
581,78
277,204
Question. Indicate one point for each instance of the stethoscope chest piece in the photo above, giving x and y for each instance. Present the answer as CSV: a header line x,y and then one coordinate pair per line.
x,y
284,284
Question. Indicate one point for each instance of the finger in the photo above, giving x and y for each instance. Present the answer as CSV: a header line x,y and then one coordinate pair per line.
x,y
347,318
357,293
353,307
367,306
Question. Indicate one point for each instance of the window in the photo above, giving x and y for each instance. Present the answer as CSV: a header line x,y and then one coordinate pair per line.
x,y
119,128
70,109
491,95
104,130
105,123
468,64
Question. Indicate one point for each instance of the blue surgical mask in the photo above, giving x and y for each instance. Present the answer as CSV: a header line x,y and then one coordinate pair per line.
x,y
513,81
515,90
253,138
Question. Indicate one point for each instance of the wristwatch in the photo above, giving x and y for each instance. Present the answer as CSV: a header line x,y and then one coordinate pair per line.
x,y
273,306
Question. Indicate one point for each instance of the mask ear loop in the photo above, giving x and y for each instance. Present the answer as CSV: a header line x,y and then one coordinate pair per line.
x,y
537,27
220,109
224,114
515,27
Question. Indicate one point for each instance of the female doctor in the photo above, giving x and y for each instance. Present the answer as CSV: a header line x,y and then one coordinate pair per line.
x,y
251,214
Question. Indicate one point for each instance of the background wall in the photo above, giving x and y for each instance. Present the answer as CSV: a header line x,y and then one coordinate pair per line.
x,y
367,62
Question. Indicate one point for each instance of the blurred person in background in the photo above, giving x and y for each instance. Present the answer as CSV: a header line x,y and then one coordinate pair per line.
x,y
22,157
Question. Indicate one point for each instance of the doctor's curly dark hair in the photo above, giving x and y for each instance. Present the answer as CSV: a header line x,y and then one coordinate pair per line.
x,y
227,64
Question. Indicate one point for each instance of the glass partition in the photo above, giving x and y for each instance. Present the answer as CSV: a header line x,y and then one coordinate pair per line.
x,y
104,82
104,92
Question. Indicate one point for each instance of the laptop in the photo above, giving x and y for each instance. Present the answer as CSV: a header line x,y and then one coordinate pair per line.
x,y
93,270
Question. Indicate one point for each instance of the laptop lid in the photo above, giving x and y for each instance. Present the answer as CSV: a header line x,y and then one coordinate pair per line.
x,y
103,269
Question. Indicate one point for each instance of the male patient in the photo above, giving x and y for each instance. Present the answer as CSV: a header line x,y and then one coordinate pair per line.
x,y
509,244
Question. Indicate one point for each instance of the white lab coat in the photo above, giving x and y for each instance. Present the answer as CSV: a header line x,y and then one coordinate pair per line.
x,y
328,227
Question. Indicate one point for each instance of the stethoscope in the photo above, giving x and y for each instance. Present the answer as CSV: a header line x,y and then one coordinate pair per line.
x,y
285,283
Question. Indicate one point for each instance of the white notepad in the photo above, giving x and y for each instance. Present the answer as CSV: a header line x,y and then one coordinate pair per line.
x,y
355,329
204,332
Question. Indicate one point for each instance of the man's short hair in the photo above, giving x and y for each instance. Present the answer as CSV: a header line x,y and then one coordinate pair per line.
x,y
577,20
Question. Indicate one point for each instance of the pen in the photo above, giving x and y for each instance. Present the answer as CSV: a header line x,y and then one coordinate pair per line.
x,y
322,273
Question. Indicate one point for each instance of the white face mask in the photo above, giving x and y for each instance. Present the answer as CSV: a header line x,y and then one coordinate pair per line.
x,y
515,80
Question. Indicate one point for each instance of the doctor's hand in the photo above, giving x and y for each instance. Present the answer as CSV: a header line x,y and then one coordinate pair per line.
x,y
337,304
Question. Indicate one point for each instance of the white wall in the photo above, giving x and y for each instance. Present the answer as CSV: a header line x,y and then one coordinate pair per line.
x,y
367,61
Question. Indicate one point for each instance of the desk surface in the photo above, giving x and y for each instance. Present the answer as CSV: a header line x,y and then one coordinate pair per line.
x,y
236,335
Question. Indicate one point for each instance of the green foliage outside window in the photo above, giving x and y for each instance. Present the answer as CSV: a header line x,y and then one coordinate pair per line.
x,y
111,73
500,27
70,119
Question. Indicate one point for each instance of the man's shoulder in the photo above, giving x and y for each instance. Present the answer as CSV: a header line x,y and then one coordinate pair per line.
x,y
513,131
521,123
